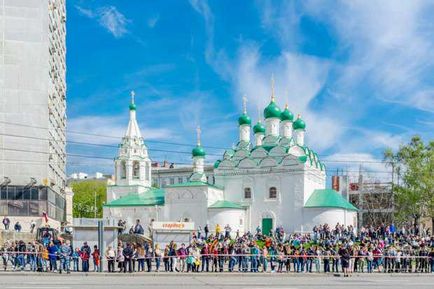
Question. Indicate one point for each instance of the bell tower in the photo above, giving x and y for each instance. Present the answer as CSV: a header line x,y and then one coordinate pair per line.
x,y
132,165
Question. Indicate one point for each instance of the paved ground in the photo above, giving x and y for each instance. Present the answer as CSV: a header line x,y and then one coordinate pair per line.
x,y
193,281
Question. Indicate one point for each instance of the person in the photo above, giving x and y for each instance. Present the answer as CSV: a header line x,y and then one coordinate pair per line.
x,y
65,253
182,255
128,253
32,226
75,259
206,230
110,255
17,227
140,251
52,255
157,255
96,258
120,259
345,261
85,256
121,227
138,228
228,230
6,222
431,258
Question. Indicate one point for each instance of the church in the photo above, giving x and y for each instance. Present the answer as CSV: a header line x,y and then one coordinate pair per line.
x,y
271,180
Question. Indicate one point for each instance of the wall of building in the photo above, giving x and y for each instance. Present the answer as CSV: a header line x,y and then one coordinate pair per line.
x,y
235,218
330,216
33,92
131,214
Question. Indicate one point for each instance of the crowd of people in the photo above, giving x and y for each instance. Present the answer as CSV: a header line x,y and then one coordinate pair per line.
x,y
337,249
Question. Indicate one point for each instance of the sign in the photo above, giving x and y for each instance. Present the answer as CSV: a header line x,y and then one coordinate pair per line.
x,y
173,226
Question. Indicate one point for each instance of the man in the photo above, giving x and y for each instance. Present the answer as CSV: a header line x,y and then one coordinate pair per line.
x,y
65,253
85,255
32,226
138,229
6,222
228,231
206,229
128,253
17,227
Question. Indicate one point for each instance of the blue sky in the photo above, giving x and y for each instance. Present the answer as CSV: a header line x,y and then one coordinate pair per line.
x,y
359,73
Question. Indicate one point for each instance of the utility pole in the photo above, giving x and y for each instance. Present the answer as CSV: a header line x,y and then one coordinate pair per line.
x,y
94,208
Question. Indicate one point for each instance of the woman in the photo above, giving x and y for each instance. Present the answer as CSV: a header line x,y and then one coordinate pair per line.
x,y
52,253
140,251
110,255
345,261
96,258
157,253
120,258
166,258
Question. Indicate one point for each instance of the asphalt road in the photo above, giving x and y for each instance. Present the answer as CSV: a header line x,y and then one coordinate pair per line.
x,y
193,281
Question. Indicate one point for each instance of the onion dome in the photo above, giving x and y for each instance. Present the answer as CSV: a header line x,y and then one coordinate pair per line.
x,y
198,151
286,115
244,119
272,110
299,124
259,128
132,106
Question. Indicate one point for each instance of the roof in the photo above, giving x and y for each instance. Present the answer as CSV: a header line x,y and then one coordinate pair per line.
x,y
226,205
152,197
194,184
328,198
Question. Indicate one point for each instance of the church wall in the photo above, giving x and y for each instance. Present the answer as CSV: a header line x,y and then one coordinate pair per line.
x,y
186,202
330,216
235,218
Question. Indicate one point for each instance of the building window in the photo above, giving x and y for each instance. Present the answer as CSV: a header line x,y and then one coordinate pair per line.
x,y
179,180
123,170
247,193
172,181
136,170
272,193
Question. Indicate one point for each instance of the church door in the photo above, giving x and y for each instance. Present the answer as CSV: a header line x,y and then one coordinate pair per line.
x,y
267,226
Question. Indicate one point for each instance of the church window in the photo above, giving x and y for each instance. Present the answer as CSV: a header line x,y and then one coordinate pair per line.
x,y
147,171
136,170
179,180
123,170
272,193
172,181
247,193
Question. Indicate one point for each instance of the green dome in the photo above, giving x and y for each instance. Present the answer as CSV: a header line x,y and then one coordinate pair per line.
x,y
244,119
272,110
259,128
298,124
286,115
198,151
132,106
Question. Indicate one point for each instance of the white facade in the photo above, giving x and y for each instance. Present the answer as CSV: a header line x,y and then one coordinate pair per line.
x,y
278,181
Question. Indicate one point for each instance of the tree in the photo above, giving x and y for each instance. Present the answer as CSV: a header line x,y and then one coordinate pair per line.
x,y
85,193
414,196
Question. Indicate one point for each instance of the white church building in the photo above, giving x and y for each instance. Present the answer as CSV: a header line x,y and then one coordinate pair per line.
x,y
272,180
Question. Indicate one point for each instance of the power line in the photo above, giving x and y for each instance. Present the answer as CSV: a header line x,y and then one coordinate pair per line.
x,y
169,151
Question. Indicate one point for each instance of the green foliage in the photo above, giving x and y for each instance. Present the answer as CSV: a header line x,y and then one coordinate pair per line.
x,y
84,198
414,194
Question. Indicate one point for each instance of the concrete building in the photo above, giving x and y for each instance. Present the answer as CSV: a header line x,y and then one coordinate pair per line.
x,y
170,175
32,109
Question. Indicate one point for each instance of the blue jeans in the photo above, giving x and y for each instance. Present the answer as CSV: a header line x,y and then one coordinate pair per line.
x,y
232,262
65,263
32,261
264,262
75,264
20,261
254,264
369,266
85,265
157,263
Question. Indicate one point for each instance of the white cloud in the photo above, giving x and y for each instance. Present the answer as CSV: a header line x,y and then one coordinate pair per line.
x,y
152,21
109,18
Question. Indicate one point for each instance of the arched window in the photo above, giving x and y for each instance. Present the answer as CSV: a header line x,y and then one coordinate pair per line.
x,y
123,170
272,193
136,170
247,193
